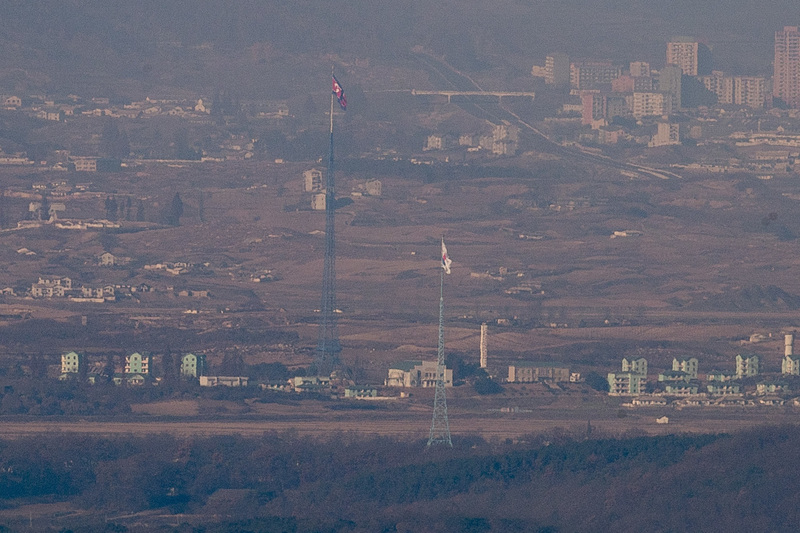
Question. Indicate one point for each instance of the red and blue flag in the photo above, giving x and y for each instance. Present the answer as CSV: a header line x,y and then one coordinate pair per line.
x,y
338,91
446,261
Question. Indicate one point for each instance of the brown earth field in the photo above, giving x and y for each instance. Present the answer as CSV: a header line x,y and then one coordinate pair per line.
x,y
713,261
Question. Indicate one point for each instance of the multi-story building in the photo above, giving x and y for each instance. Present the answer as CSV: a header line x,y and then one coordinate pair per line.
x,y
687,366
617,105
623,84
640,69
505,139
720,375
648,104
417,374
556,69
318,201
673,375
137,363
723,388
588,75
720,85
643,83
192,365
681,388
71,363
373,187
436,141
746,365
593,105
791,363
51,287
313,180
669,82
223,381
530,371
85,164
683,52
637,366
786,73
629,84
668,133
750,91
625,383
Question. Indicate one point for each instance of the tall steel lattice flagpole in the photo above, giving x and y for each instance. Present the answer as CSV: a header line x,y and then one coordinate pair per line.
x,y
440,426
328,347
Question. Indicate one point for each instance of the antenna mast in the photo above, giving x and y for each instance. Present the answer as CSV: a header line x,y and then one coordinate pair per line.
x,y
328,347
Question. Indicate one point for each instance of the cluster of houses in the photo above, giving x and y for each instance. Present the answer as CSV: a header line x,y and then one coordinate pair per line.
x,y
683,380
502,140
62,288
176,268
194,110
137,369
46,108
314,182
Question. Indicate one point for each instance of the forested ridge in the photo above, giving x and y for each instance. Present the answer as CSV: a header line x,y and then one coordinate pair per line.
x,y
554,482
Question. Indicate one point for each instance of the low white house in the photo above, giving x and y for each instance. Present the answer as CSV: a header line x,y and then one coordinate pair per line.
x,y
417,374
223,381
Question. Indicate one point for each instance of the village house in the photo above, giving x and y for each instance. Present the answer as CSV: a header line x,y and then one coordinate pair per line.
x,y
51,287
310,383
417,374
107,259
530,371
223,381
625,383
12,102
137,363
71,363
192,366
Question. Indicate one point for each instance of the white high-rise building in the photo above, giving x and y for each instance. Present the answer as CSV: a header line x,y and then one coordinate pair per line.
x,y
786,74
682,52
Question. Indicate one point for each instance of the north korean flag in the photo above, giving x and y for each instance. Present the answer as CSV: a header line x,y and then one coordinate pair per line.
x,y
338,91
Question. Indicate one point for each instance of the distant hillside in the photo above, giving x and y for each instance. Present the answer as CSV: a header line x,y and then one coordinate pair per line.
x,y
179,43
711,483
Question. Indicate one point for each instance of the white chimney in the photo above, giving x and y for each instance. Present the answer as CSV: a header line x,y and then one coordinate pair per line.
x,y
484,353
788,343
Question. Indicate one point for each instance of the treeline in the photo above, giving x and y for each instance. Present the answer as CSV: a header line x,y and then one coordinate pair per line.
x,y
743,482
48,397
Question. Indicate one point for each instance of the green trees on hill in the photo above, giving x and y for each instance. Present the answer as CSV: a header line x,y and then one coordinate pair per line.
x,y
669,483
